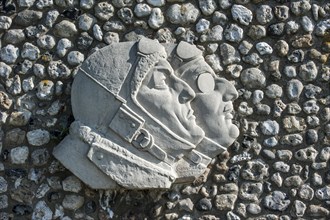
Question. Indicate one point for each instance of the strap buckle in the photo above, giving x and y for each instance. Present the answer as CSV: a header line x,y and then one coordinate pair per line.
x,y
143,140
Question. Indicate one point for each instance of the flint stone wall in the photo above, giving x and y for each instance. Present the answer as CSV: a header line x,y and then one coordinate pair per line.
x,y
276,52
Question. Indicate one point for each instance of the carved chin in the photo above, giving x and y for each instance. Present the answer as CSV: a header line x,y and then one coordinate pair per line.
x,y
226,136
233,133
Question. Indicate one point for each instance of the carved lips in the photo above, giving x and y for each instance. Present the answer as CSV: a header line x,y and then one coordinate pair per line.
x,y
190,115
228,110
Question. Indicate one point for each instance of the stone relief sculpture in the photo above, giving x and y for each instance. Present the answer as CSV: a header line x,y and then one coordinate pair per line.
x,y
146,116
212,104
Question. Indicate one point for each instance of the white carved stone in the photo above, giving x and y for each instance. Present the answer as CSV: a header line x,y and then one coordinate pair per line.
x,y
146,116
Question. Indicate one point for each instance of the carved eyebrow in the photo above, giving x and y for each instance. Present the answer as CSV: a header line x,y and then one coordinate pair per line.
x,y
164,69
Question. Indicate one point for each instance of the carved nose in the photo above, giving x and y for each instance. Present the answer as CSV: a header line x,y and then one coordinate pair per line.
x,y
187,93
230,93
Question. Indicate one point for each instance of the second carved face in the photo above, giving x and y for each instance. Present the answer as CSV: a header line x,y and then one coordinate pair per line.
x,y
213,104
191,101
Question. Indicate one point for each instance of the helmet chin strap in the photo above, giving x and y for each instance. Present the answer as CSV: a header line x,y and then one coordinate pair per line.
x,y
129,126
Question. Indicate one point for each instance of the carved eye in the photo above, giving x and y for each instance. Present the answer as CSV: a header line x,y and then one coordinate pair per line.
x,y
205,82
160,77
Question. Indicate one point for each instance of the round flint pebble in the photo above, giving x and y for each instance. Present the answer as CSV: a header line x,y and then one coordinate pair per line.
x,y
214,35
44,3
264,48
75,58
253,208
5,22
229,54
65,29
274,91
269,127
142,10
202,25
241,14
219,18
45,90
175,16
46,42
86,4
207,6
19,118
38,137
233,33
277,201
253,78
63,46
5,70
39,70
27,17
308,72
64,3
71,184
156,3
13,85
73,201
26,3
256,32
3,185
30,51
264,14
97,31
28,84
156,18
14,36
40,157
292,27
19,155
9,54
86,21
122,3
57,69
204,205
294,89
111,37
104,10
290,71
51,17
244,47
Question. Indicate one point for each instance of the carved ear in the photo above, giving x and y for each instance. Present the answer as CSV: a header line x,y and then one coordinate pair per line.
x,y
147,46
205,82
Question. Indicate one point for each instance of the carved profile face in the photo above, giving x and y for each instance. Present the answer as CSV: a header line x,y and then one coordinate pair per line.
x,y
213,102
168,98
149,127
